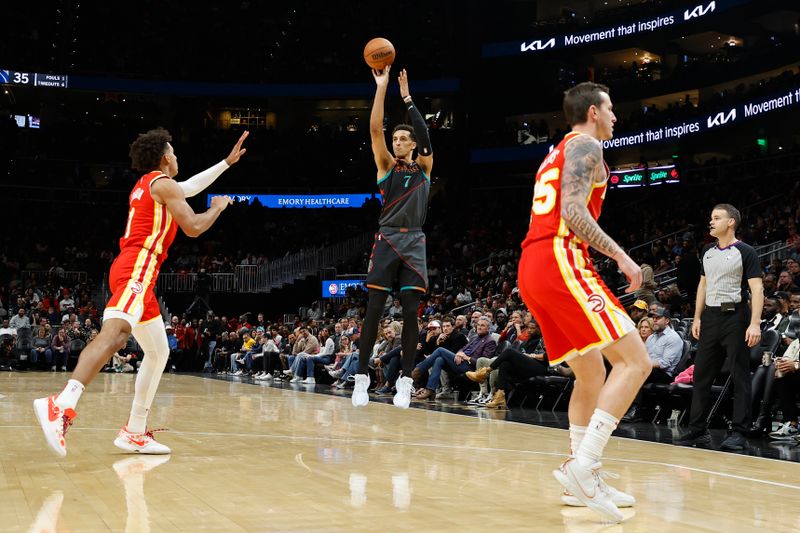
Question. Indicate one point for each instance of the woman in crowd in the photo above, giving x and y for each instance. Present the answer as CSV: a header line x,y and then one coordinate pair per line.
x,y
344,359
41,348
645,328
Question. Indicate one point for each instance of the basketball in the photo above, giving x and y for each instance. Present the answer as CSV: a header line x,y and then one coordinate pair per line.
x,y
379,53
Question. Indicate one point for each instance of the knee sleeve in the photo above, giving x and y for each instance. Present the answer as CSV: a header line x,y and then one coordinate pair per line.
x,y
153,339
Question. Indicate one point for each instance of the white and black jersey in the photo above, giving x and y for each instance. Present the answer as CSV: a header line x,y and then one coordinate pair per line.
x,y
727,271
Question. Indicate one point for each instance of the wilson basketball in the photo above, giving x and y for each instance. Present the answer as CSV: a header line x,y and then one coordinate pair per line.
x,y
378,53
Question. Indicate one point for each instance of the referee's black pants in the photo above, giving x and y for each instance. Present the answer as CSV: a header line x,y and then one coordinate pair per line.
x,y
722,336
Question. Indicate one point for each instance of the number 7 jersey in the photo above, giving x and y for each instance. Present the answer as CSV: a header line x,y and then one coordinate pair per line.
x,y
546,221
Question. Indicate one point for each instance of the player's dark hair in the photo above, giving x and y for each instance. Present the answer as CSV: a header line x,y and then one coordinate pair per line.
x,y
732,213
579,99
148,149
405,127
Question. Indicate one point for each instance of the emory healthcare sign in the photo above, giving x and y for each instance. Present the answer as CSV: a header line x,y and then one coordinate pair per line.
x,y
338,287
310,201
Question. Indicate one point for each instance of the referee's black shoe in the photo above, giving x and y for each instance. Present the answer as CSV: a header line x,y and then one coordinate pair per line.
x,y
700,438
735,442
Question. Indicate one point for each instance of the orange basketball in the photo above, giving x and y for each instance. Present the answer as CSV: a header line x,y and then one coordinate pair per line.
x,y
378,53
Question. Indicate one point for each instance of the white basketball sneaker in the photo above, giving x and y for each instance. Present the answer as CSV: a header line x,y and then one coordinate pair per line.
x,y
585,484
140,442
404,387
360,395
620,499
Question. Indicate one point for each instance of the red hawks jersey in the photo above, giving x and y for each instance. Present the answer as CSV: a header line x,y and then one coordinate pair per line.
x,y
150,229
546,221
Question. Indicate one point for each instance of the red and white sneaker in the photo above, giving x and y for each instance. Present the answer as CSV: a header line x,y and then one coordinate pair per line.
x,y
140,442
55,422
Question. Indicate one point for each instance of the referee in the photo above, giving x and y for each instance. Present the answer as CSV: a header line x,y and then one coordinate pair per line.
x,y
725,326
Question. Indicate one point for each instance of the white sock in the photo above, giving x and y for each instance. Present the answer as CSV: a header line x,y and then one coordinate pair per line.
x,y
137,422
69,397
576,434
599,431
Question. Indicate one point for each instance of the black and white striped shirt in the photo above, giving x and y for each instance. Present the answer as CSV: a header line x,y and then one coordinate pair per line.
x,y
727,271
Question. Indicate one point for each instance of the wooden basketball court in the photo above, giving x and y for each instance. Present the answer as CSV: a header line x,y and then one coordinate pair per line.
x,y
258,458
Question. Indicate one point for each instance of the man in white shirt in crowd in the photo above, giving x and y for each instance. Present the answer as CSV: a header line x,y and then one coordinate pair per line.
x,y
665,348
20,320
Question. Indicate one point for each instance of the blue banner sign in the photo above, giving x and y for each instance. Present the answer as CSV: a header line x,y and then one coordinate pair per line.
x,y
309,201
337,288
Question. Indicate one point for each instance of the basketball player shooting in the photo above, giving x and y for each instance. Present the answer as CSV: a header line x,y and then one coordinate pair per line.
x,y
157,208
398,254
581,321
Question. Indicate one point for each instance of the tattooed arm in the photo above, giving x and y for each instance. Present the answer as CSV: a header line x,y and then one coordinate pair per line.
x,y
583,164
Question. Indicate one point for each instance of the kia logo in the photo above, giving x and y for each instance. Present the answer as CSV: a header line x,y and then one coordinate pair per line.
x,y
721,118
698,11
537,45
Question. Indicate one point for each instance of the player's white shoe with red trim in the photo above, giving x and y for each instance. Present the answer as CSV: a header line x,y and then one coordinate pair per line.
x,y
620,499
55,422
585,484
140,442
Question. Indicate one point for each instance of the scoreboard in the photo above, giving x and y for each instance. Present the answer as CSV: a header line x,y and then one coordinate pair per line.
x,y
33,79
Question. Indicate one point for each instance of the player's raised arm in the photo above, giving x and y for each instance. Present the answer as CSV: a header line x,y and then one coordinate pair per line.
x,y
383,158
583,164
200,182
424,148
169,193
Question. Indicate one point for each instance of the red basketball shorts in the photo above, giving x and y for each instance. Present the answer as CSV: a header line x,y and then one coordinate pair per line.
x,y
573,307
132,279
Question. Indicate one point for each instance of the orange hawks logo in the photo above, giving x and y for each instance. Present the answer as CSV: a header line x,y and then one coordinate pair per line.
x,y
136,287
599,303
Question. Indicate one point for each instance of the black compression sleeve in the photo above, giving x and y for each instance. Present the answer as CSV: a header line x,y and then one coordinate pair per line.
x,y
420,128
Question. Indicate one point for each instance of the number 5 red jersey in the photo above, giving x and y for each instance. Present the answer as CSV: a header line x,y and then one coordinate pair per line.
x,y
546,221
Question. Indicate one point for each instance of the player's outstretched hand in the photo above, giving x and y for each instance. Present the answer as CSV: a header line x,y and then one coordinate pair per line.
x,y
631,270
382,76
237,151
402,79
221,202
